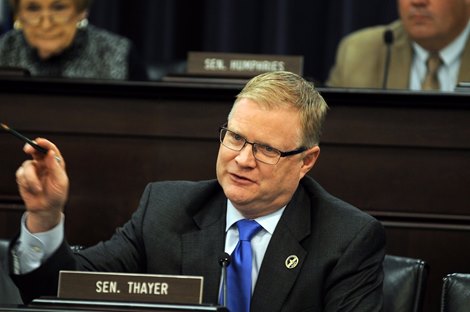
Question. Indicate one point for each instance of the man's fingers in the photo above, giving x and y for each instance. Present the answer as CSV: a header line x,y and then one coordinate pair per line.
x,y
27,178
46,144
55,165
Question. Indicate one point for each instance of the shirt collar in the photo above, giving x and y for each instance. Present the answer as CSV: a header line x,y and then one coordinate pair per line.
x,y
268,222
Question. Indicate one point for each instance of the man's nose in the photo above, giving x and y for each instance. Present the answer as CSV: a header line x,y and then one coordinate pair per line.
x,y
246,155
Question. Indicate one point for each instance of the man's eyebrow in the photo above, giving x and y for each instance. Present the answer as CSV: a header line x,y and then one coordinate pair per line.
x,y
255,141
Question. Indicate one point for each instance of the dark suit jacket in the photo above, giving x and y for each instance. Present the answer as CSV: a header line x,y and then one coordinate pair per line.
x,y
179,229
360,60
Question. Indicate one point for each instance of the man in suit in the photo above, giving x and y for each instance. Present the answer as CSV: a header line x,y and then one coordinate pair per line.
x,y
425,27
313,252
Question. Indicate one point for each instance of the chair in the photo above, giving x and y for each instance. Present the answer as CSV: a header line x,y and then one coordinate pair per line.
x,y
3,250
456,293
9,294
7,71
404,283
160,70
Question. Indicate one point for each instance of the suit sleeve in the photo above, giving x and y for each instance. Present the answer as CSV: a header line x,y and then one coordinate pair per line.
x,y
356,281
124,252
336,72
43,281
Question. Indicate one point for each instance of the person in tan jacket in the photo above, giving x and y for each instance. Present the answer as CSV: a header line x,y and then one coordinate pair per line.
x,y
425,27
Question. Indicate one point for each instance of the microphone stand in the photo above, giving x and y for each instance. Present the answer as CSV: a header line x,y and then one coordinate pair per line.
x,y
388,39
224,261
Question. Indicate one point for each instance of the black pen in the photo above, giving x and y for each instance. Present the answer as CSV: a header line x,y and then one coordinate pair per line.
x,y
27,140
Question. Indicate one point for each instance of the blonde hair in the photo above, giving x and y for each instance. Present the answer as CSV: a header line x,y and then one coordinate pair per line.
x,y
80,5
279,88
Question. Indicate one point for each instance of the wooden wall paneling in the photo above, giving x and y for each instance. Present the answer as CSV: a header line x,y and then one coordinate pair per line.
x,y
401,156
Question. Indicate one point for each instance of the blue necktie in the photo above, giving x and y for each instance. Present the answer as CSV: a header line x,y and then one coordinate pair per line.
x,y
239,270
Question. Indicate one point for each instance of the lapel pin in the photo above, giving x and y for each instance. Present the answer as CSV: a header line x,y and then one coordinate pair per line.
x,y
292,261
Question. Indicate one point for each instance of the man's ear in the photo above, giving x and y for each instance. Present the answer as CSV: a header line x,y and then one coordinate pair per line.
x,y
309,159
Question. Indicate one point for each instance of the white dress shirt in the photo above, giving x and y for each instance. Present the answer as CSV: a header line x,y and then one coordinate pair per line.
x,y
31,250
259,242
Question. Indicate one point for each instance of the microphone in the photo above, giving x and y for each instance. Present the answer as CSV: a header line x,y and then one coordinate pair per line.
x,y
224,261
388,39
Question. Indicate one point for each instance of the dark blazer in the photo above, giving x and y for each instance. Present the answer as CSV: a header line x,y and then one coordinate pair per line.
x,y
179,229
360,59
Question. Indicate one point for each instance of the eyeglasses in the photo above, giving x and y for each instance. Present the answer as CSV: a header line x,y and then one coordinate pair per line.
x,y
264,153
58,14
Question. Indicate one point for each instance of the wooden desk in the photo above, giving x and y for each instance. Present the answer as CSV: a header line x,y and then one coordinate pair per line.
x,y
403,157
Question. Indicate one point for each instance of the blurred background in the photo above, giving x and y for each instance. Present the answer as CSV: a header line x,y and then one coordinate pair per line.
x,y
165,30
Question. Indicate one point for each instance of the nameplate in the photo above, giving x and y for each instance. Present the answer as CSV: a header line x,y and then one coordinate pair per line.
x,y
130,287
241,65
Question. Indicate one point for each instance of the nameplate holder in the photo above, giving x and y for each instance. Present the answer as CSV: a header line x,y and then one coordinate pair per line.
x,y
130,287
241,65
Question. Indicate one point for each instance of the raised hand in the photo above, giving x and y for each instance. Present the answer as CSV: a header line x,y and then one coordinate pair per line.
x,y
43,184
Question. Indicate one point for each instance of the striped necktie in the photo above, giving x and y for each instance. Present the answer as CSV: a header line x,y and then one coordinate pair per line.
x,y
431,81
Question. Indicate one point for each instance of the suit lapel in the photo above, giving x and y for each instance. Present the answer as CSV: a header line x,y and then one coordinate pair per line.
x,y
401,57
464,72
202,247
275,280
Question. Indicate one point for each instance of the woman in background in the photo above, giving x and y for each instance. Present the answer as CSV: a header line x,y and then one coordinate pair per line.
x,y
52,38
